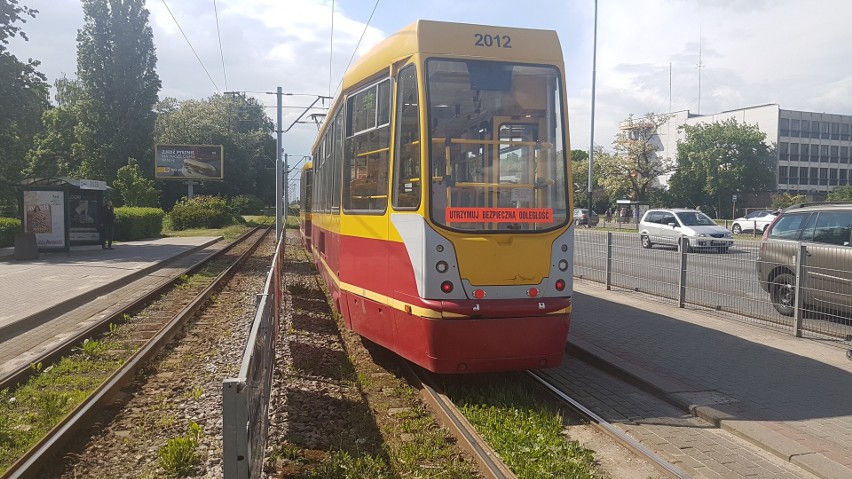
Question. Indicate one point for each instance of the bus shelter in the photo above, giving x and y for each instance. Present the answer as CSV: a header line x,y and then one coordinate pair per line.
x,y
630,211
61,211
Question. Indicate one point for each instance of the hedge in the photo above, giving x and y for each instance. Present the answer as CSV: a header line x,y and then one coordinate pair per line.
x,y
8,228
134,223
202,212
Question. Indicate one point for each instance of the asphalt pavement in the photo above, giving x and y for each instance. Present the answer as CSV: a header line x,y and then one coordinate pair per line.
x,y
788,395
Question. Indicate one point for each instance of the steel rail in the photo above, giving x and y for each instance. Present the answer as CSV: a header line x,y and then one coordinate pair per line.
x,y
490,464
618,435
30,464
64,348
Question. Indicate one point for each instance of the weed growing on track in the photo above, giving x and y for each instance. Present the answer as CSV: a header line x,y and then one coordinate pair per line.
x,y
178,457
522,426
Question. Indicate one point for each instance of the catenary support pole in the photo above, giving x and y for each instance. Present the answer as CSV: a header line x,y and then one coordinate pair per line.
x,y
278,174
592,140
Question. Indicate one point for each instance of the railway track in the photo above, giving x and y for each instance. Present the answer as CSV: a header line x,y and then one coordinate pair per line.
x,y
610,430
150,327
72,329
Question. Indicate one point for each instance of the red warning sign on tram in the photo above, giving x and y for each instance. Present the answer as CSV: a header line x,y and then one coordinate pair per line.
x,y
499,215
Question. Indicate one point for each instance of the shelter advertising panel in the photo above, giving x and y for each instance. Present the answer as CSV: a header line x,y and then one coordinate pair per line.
x,y
44,215
188,162
84,207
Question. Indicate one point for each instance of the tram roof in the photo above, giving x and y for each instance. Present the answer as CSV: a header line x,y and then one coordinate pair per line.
x,y
433,38
441,39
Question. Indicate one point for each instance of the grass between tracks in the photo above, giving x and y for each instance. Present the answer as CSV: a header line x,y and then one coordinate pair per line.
x,y
36,407
522,424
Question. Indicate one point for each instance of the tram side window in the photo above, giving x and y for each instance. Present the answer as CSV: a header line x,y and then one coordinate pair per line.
x,y
365,186
336,161
407,184
318,179
328,170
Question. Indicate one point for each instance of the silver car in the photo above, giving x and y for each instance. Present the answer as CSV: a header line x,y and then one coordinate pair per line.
x,y
668,226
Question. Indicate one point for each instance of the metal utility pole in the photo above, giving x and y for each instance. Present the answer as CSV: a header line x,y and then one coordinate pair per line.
x,y
592,141
286,189
278,174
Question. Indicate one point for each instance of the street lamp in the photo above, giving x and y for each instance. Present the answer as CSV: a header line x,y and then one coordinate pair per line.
x,y
592,140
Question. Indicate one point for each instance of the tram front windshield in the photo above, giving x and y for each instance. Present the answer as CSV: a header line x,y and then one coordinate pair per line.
x,y
497,159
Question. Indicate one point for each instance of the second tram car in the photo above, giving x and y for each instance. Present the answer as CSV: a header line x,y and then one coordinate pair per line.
x,y
441,207
305,199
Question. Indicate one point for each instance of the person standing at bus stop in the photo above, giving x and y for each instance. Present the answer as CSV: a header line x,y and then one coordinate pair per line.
x,y
107,223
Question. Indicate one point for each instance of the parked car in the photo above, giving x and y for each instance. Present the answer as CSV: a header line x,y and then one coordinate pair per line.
x,y
668,226
581,217
825,230
754,221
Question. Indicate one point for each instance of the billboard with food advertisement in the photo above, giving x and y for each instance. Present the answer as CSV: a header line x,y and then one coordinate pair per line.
x,y
188,162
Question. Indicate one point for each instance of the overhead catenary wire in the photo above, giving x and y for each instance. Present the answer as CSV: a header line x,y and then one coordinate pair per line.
x,y
367,25
221,51
191,47
331,48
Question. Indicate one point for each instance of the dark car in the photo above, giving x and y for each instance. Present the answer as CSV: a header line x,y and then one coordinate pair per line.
x,y
582,217
825,231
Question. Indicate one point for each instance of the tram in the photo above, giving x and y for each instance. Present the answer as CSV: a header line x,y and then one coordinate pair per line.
x,y
441,208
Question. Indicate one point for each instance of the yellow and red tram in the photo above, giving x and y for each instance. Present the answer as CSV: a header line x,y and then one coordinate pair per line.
x,y
441,210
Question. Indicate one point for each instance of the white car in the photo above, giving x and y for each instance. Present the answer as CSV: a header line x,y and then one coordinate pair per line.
x,y
754,221
668,226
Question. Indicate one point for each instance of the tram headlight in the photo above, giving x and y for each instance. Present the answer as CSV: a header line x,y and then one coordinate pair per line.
x,y
563,265
441,266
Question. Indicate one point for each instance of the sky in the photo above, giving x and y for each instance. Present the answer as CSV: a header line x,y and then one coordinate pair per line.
x,y
751,52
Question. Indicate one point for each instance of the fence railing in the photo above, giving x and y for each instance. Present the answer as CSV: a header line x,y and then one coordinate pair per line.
x,y
822,291
245,399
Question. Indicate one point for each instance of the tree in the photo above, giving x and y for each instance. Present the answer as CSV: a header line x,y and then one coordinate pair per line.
x,y
53,152
135,190
720,159
240,125
116,65
580,177
844,193
635,166
23,98
10,13
783,200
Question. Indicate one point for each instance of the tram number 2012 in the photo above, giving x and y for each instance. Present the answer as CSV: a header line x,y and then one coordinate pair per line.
x,y
486,40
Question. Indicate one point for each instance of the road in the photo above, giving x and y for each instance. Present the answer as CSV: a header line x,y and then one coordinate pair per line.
x,y
722,281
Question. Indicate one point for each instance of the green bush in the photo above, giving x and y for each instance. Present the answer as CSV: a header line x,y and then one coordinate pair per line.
x,y
202,212
8,228
246,204
134,223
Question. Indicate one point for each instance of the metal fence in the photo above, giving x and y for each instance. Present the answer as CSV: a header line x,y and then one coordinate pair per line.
x,y
245,399
723,281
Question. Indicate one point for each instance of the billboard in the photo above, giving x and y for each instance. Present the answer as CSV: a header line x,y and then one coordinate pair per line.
x,y
188,162
44,215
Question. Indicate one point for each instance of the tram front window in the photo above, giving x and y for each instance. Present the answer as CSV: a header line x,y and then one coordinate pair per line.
x,y
497,159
